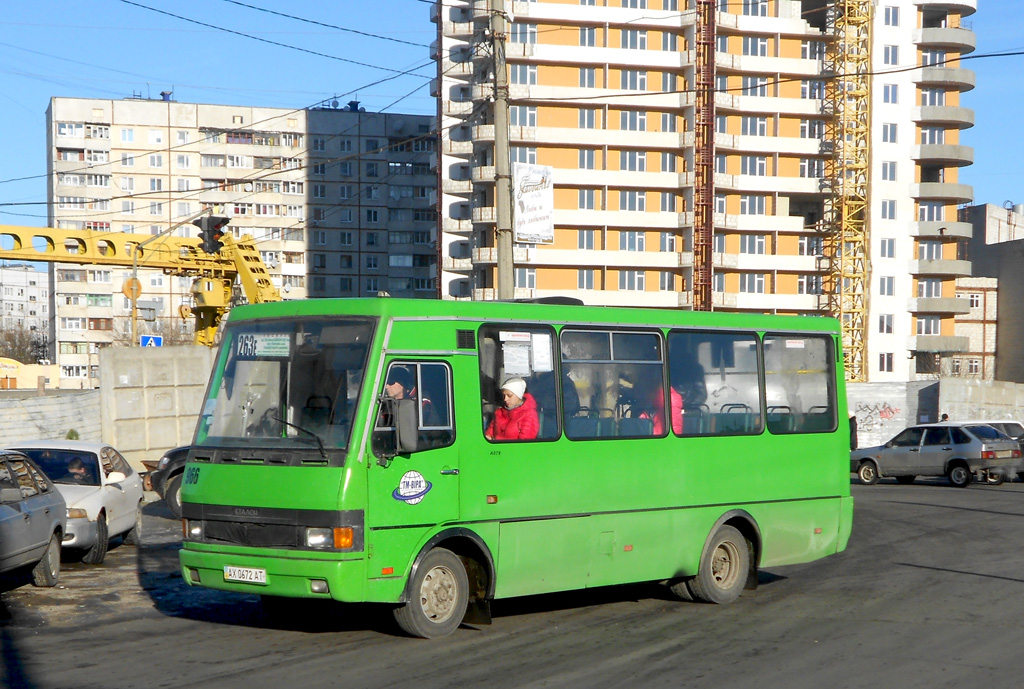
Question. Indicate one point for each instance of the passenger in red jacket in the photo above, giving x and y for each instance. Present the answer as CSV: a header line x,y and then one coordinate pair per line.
x,y
518,419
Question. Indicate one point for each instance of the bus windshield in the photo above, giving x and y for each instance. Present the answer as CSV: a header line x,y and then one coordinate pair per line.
x,y
287,384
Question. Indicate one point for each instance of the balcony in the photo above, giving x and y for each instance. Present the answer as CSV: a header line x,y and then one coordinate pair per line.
x,y
486,215
457,265
488,256
457,70
457,108
458,29
963,40
483,132
456,225
939,343
943,191
461,187
484,174
936,229
961,118
944,154
949,77
945,305
941,267
457,148
964,7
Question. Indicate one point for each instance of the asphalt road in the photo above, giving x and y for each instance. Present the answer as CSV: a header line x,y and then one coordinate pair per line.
x,y
930,593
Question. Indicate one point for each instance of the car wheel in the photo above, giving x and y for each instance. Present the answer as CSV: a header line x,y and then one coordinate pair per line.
x,y
905,480
867,472
959,475
134,537
438,596
98,551
723,569
47,570
172,495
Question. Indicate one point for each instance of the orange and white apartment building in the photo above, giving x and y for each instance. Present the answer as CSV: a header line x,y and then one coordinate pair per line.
x,y
602,92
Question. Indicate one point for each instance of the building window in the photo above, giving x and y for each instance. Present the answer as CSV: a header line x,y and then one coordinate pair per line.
x,y
933,57
752,244
889,133
585,239
928,325
523,74
632,280
812,129
668,122
666,281
522,116
808,284
754,126
888,170
669,42
632,200
588,36
930,211
891,54
929,250
523,154
888,209
811,246
588,77
668,202
585,278
890,93
892,17
586,158
933,96
755,86
929,288
526,278
755,8
586,199
634,39
887,248
668,161
631,240
523,33
812,168
973,366
812,88
753,204
812,50
755,45
754,165
886,285
885,362
588,118
635,161
752,283
932,135
885,323
633,80
974,300
633,120
668,242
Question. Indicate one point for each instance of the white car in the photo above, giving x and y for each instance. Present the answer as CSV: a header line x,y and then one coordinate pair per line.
x,y
103,493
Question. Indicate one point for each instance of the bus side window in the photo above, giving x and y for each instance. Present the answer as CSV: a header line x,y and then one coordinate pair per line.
x,y
799,375
523,352
716,375
620,383
429,386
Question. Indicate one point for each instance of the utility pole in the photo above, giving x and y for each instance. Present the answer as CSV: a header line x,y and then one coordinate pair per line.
x,y
502,164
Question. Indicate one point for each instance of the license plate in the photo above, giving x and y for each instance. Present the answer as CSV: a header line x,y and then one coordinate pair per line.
x,y
248,575
1003,454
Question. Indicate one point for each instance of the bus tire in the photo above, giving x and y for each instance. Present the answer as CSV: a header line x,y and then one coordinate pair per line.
x,y
172,495
438,596
682,590
867,472
723,569
959,475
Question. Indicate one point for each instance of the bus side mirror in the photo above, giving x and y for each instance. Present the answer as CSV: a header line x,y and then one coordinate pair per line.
x,y
407,432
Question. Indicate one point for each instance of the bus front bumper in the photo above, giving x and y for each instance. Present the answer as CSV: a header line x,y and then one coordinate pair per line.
x,y
291,575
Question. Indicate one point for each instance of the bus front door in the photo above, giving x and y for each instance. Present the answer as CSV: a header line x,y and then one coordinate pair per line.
x,y
416,486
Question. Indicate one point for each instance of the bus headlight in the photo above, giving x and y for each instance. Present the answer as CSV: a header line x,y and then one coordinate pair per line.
x,y
193,529
338,538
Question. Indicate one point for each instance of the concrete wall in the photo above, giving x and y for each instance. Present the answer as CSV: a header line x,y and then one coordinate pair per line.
x,y
885,409
975,399
151,397
28,416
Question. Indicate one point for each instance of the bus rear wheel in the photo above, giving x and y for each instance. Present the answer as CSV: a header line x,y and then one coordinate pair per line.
x,y
438,596
723,569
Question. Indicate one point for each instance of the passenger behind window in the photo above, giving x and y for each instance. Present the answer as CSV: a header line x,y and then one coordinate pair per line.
x,y
542,386
687,381
652,403
517,420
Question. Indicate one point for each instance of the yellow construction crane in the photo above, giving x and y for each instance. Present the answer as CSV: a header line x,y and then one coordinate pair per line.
x,y
848,141
214,274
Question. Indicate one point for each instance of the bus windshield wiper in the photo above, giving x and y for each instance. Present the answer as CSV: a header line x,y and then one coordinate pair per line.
x,y
319,442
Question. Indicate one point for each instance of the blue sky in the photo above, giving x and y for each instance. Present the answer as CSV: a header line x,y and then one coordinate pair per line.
x,y
117,48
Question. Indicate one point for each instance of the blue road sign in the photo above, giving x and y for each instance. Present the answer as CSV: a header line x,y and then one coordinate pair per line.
x,y
151,340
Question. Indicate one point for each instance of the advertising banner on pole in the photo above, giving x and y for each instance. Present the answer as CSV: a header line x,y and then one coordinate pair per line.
x,y
533,214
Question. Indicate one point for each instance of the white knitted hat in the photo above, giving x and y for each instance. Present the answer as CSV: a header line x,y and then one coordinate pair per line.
x,y
517,386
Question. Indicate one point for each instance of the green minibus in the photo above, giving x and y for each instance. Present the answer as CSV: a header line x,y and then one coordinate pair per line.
x,y
437,455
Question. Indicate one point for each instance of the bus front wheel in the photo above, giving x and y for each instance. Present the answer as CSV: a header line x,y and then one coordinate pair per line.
x,y
723,569
438,596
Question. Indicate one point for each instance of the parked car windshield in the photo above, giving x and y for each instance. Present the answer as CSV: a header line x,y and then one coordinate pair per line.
x,y
987,433
287,383
70,467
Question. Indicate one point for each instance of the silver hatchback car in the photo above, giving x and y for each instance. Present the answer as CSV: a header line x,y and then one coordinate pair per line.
x,y
959,451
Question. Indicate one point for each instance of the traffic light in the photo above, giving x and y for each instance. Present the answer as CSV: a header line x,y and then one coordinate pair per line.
x,y
211,229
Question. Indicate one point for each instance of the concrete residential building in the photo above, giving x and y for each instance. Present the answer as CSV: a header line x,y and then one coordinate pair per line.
x,y
340,202
24,298
602,91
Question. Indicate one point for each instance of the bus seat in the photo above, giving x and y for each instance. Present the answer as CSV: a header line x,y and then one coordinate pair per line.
x,y
781,419
581,427
317,411
606,427
635,426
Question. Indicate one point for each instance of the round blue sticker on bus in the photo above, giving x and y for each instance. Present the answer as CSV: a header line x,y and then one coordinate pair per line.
x,y
412,488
